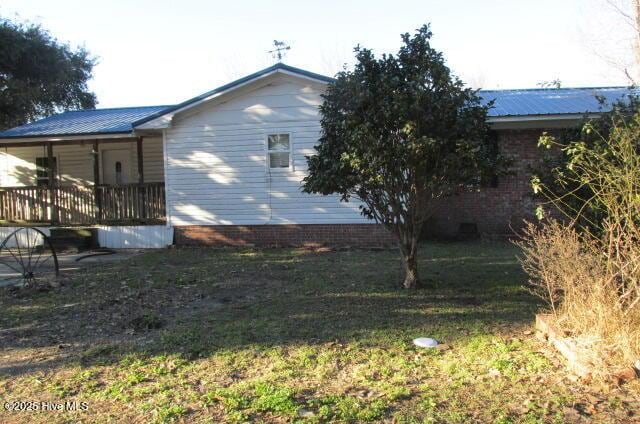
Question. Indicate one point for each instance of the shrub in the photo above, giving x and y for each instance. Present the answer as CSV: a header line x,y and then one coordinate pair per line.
x,y
591,279
574,276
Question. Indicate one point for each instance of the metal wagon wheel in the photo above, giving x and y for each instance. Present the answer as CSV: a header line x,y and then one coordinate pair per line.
x,y
27,257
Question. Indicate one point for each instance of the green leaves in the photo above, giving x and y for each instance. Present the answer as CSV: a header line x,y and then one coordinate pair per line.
x,y
595,174
536,184
546,141
397,133
402,125
39,75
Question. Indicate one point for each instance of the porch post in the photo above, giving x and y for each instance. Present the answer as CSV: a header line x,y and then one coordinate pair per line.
x,y
140,161
52,184
141,201
96,181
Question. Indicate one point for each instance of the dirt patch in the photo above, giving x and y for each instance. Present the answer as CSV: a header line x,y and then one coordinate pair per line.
x,y
97,312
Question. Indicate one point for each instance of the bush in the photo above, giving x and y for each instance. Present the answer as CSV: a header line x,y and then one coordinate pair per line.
x,y
591,279
574,276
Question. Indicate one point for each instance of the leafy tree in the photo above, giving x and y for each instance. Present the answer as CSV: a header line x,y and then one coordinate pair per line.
x,y
398,133
39,75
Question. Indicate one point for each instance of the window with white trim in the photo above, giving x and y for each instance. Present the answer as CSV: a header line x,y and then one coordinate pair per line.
x,y
279,150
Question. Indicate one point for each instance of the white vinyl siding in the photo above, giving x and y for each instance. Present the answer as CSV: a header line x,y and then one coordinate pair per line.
x,y
75,162
117,237
152,163
217,166
135,236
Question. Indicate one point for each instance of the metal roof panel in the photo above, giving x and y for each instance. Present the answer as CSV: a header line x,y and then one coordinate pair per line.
x,y
554,101
88,121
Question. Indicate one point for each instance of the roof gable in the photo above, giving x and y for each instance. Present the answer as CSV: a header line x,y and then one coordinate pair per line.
x,y
162,118
275,99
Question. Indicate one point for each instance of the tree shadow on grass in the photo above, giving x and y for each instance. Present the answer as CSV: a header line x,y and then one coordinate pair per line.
x,y
205,301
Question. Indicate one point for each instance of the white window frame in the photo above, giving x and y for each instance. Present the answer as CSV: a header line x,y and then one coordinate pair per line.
x,y
267,152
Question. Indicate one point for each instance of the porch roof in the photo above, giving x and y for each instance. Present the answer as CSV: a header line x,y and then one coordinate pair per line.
x,y
84,122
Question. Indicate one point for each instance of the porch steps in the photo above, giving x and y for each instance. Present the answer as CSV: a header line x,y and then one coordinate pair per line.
x,y
74,239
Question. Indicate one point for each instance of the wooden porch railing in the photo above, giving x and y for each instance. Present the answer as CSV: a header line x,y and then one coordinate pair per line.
x,y
30,204
131,202
82,205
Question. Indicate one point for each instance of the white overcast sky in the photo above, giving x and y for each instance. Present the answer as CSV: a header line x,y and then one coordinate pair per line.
x,y
164,52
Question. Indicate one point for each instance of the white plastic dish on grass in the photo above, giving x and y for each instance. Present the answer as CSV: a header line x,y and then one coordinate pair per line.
x,y
425,342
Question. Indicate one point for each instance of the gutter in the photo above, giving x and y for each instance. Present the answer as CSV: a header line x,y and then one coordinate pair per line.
x,y
538,118
62,139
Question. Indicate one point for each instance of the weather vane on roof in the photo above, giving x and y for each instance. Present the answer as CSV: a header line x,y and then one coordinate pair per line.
x,y
280,47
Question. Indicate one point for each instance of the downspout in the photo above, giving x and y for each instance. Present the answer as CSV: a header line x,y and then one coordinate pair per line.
x,y
267,173
165,161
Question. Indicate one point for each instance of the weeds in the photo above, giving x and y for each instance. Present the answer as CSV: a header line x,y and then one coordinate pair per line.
x,y
588,267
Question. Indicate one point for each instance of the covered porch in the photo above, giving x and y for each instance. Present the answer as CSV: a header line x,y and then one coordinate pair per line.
x,y
101,180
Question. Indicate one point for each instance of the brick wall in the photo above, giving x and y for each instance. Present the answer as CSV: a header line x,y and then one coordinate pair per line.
x,y
498,211
357,235
501,210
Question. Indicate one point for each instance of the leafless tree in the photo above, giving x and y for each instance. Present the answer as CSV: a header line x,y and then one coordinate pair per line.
x,y
629,12
610,30
334,58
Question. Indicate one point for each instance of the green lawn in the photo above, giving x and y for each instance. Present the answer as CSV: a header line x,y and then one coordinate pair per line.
x,y
288,335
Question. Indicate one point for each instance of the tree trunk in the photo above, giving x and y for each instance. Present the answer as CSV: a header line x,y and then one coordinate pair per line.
x,y
409,250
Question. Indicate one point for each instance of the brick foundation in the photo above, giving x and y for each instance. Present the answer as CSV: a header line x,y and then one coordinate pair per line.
x,y
311,235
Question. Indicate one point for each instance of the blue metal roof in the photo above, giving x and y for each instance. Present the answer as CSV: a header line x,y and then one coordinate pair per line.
x,y
553,101
84,122
508,103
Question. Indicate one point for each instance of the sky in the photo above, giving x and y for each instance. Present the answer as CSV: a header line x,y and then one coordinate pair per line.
x,y
164,52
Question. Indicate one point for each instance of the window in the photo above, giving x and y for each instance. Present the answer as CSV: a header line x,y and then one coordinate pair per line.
x,y
118,173
491,181
42,170
279,150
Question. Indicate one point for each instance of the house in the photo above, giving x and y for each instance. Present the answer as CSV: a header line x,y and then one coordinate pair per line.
x,y
226,167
